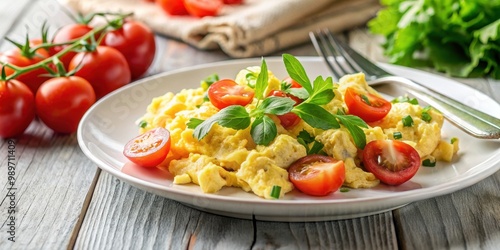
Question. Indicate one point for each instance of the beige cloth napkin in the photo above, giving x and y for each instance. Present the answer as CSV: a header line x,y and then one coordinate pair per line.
x,y
256,28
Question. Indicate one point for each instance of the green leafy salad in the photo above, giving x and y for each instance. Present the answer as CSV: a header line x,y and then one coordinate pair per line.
x,y
460,38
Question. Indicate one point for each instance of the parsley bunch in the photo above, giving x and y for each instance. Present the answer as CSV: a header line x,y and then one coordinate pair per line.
x,y
263,129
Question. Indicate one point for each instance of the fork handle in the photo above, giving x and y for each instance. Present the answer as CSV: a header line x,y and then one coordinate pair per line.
x,y
472,121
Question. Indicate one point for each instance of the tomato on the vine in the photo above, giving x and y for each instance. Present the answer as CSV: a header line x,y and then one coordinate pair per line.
x,y
148,149
368,107
202,8
33,78
317,175
66,34
392,162
106,69
136,42
61,102
227,92
17,108
173,7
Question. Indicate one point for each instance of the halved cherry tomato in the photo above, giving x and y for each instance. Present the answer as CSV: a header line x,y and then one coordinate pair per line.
x,y
392,162
201,8
292,82
227,92
372,109
148,149
17,108
317,175
289,119
173,7
233,1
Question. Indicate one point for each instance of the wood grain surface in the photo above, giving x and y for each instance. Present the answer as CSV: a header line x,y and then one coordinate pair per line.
x,y
64,201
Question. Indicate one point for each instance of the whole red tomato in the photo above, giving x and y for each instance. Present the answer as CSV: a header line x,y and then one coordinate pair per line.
x,y
32,78
65,34
17,108
202,8
62,101
106,69
136,42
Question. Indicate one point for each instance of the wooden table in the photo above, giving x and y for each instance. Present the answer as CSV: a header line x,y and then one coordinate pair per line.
x,y
64,201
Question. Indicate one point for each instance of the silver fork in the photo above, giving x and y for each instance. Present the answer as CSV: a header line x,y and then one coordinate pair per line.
x,y
342,60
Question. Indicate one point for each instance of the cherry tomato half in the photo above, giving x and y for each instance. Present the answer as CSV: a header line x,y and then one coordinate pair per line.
x,y
61,102
392,162
235,2
317,175
106,69
227,92
173,7
17,108
201,8
136,42
148,149
368,107
292,82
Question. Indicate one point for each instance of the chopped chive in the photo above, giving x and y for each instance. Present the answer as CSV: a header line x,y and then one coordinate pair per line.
x,y
428,163
143,124
397,135
402,99
276,192
425,114
407,121
344,190
365,99
453,140
209,80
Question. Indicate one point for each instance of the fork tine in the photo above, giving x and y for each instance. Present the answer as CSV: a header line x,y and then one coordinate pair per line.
x,y
353,57
318,43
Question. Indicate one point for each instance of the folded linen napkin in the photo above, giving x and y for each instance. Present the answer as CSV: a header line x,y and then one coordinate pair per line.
x,y
256,28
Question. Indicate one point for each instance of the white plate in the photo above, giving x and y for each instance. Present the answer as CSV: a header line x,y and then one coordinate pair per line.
x,y
110,123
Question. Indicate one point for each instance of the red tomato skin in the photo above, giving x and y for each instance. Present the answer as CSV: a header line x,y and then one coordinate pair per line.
x,y
292,82
227,92
68,33
323,176
235,2
173,7
378,109
410,166
136,42
33,78
148,149
106,69
17,108
202,8
61,102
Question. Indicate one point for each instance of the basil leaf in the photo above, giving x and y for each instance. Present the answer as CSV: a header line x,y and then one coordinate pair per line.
x,y
301,93
354,124
263,130
316,116
194,122
262,80
235,117
297,72
276,105
322,91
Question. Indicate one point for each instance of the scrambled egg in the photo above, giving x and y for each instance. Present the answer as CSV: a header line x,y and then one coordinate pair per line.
x,y
229,158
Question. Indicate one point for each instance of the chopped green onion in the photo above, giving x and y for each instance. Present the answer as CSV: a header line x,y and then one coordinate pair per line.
x,y
402,99
428,163
397,135
425,114
143,124
276,192
365,99
344,190
407,121
453,140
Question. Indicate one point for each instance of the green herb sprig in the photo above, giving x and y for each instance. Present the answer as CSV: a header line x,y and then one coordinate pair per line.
x,y
263,129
